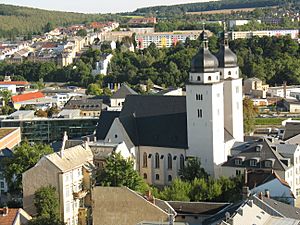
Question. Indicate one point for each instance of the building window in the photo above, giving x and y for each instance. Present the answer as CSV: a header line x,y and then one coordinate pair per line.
x,y
145,176
253,162
209,77
181,162
268,164
198,78
2,185
237,172
229,73
201,97
145,158
169,161
237,90
199,111
156,176
116,136
169,178
156,160
238,162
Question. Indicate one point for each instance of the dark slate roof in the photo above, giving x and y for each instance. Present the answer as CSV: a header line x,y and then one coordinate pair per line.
x,y
196,208
291,130
221,215
123,91
153,105
152,120
105,122
6,153
248,151
86,104
284,209
256,178
225,56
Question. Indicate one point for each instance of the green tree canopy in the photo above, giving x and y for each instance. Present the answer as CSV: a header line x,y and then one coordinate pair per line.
x,y
46,202
250,112
120,172
192,170
24,157
81,33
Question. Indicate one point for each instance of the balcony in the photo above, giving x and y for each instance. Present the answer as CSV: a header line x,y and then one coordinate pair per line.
x,y
80,194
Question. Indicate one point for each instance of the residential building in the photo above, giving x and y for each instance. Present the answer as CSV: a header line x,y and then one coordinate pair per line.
x,y
16,86
284,91
118,98
14,216
164,130
19,100
70,172
258,181
171,91
261,33
91,107
102,66
266,154
143,20
255,88
235,23
142,30
166,39
48,130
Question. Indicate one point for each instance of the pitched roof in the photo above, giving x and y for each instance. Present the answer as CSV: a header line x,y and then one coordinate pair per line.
x,y
9,218
256,178
105,122
14,83
248,151
152,120
86,104
291,129
27,96
72,158
194,208
284,209
123,91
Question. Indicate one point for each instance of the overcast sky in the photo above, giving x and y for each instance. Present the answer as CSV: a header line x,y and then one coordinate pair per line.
x,y
95,6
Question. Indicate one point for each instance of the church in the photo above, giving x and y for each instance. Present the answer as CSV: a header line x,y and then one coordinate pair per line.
x,y
161,132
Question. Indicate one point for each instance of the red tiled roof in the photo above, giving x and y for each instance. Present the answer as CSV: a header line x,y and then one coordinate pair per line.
x,y
9,218
14,82
28,96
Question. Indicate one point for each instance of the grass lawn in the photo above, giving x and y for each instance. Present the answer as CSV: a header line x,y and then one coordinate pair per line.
x,y
271,121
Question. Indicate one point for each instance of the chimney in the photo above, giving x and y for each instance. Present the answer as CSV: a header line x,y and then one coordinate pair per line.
x,y
95,139
260,195
65,138
149,197
267,193
86,145
5,211
245,177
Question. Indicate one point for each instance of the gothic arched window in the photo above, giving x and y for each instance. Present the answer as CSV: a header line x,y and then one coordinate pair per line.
x,y
145,160
156,160
198,78
169,161
181,162
169,178
229,73
145,176
209,77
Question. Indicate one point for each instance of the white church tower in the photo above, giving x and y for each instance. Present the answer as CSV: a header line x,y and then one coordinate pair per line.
x,y
205,110
233,96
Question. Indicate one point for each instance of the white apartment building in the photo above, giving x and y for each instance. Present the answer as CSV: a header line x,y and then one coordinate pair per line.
x,y
165,39
260,33
69,171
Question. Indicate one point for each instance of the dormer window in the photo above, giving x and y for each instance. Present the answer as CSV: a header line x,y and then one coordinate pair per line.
x,y
258,148
253,162
268,164
238,162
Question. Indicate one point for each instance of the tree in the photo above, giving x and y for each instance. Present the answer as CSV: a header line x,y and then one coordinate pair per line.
x,y
120,172
178,191
48,27
46,202
250,112
192,170
24,157
81,33
94,89
45,221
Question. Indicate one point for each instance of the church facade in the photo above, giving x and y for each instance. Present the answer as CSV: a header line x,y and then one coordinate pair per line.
x,y
162,131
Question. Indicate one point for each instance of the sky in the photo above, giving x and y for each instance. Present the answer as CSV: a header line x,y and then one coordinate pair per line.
x,y
95,6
